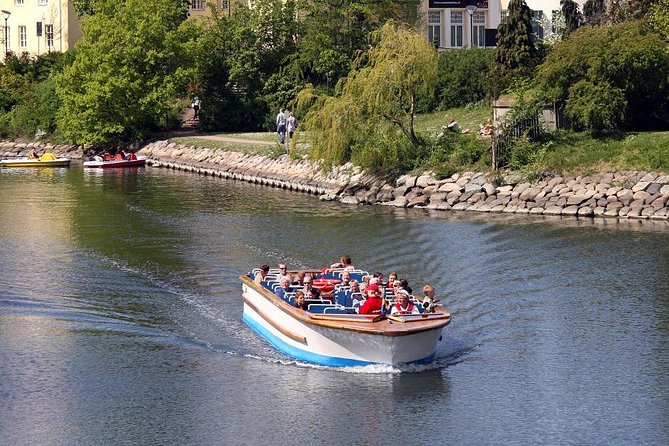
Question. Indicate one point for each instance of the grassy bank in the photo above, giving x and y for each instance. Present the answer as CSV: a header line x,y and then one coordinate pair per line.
x,y
580,153
566,153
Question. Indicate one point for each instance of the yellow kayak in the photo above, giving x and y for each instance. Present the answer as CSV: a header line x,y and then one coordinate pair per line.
x,y
46,160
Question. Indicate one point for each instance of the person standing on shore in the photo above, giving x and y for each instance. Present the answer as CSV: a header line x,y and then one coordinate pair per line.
x,y
281,126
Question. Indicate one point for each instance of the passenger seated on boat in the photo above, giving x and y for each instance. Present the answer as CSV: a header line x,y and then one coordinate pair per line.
x,y
118,156
344,262
132,157
379,279
264,269
405,285
312,294
345,278
107,156
309,287
374,302
284,288
298,279
403,304
392,277
429,301
283,272
299,301
33,154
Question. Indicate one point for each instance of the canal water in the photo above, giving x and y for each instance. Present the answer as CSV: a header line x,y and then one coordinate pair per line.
x,y
120,320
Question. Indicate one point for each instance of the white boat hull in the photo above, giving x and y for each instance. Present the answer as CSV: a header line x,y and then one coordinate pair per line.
x,y
333,346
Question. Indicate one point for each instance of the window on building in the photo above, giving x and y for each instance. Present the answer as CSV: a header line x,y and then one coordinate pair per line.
x,y
48,32
197,5
457,20
504,13
19,2
23,37
225,4
478,20
537,27
434,28
42,2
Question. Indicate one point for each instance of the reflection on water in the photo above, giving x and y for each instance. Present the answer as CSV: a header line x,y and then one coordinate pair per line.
x,y
120,319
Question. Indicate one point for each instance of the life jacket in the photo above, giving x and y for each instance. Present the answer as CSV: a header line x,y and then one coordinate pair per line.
x,y
408,309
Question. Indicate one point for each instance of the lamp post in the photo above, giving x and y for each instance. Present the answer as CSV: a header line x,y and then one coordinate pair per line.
x,y
471,9
6,15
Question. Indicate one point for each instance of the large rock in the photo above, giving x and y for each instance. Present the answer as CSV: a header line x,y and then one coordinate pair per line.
x,y
449,187
425,180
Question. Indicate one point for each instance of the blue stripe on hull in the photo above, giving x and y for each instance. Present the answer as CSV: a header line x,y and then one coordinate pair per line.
x,y
307,356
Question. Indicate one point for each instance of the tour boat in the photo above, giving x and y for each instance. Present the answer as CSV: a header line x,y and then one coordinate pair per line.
x,y
333,334
46,160
105,164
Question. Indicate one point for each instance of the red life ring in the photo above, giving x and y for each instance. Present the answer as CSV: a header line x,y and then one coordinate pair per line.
x,y
325,285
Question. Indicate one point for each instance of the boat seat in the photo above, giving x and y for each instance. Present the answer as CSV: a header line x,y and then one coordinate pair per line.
x,y
319,308
318,301
339,310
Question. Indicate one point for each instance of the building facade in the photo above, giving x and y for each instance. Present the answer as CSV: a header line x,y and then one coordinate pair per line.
x,y
452,24
38,26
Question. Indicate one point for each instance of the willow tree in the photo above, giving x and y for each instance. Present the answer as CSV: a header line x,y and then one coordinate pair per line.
x,y
383,88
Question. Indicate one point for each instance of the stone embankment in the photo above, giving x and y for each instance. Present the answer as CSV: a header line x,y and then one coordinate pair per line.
x,y
638,195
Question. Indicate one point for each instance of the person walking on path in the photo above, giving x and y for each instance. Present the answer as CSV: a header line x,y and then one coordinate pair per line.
x,y
281,126
291,125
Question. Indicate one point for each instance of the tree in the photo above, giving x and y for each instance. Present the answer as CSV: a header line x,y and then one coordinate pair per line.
x,y
238,58
639,9
383,88
572,16
516,53
332,32
462,76
129,67
610,77
594,12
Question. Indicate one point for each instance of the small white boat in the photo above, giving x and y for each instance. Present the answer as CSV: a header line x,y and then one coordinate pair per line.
x,y
340,337
46,160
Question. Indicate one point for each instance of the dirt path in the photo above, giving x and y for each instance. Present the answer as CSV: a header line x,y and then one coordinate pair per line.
x,y
255,142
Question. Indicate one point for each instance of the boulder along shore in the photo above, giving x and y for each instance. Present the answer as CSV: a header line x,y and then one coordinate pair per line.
x,y
629,195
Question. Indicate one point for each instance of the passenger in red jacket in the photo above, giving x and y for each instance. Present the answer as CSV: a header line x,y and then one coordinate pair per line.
x,y
374,301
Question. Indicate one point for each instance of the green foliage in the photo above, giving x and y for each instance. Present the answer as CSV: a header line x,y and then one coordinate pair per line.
x,y
594,12
452,152
516,53
382,89
36,114
659,16
240,63
332,33
525,152
596,107
572,17
462,76
134,58
627,63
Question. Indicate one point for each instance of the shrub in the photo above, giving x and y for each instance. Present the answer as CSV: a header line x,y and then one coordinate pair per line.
x,y
462,77
628,63
596,107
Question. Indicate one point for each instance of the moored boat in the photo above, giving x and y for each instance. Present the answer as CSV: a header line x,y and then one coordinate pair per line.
x,y
105,164
333,334
46,160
